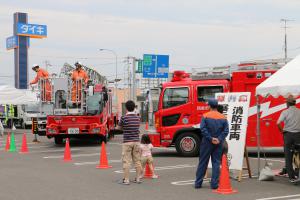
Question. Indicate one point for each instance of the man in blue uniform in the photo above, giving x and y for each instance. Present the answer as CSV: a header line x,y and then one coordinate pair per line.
x,y
214,129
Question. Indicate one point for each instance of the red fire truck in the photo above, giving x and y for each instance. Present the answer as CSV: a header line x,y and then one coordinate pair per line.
x,y
77,110
183,101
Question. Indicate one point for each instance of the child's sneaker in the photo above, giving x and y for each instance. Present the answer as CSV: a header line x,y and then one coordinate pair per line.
x,y
138,181
154,176
123,182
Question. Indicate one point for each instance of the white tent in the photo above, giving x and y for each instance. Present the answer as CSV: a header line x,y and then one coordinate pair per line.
x,y
284,82
11,95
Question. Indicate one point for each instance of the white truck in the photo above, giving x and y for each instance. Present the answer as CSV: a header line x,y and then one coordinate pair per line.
x,y
32,111
21,115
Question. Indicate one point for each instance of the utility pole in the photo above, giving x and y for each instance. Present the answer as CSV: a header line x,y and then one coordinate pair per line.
x,y
128,79
132,78
285,38
47,64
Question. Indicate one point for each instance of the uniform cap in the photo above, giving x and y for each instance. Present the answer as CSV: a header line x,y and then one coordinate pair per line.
x,y
213,102
291,99
35,66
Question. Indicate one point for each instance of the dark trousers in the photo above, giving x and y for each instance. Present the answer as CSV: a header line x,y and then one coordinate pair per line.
x,y
289,140
207,150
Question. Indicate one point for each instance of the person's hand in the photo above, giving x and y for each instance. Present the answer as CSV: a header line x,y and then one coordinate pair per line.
x,y
215,141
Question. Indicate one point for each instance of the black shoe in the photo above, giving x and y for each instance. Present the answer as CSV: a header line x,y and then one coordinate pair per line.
x,y
214,187
197,187
293,180
283,172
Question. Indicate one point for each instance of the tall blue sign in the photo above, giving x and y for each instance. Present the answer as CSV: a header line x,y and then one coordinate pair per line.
x,y
20,43
21,54
155,66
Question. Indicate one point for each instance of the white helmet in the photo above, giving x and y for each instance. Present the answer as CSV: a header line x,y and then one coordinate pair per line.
x,y
35,66
78,64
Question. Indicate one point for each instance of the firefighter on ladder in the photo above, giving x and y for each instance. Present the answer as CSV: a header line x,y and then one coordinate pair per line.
x,y
78,77
43,75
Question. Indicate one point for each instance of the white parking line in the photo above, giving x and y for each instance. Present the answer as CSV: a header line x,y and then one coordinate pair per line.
x,y
281,197
57,150
273,160
165,148
29,143
163,168
77,155
115,143
37,147
95,162
191,182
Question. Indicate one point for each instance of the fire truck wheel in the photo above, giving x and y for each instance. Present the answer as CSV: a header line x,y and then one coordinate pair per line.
x,y
58,140
188,144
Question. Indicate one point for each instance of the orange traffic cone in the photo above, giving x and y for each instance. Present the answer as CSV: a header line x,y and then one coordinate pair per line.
x,y
103,163
224,183
7,146
147,126
24,148
67,155
148,173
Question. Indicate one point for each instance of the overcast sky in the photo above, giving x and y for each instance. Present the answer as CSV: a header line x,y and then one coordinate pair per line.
x,y
195,33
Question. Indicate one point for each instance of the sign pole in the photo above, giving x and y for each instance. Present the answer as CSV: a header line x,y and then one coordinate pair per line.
x,y
247,166
133,79
258,134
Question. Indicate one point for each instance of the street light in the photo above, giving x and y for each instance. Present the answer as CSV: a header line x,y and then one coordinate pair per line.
x,y
112,51
116,78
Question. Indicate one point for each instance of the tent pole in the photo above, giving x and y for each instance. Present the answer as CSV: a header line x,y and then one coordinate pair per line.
x,y
258,133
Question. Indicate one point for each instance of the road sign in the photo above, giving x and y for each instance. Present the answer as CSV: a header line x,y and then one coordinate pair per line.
x,y
155,66
12,42
32,30
140,66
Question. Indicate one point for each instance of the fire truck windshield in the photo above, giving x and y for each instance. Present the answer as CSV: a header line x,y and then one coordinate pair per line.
x,y
95,104
175,97
32,108
207,92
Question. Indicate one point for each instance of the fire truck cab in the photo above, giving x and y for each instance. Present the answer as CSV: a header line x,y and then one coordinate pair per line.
x,y
183,101
77,110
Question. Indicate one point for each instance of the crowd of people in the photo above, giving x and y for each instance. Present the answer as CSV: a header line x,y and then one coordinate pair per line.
x,y
214,130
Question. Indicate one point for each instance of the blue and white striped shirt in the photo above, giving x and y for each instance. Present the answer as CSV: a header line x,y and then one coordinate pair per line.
x,y
131,127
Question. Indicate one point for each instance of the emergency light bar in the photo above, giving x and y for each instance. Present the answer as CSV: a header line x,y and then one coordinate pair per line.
x,y
223,72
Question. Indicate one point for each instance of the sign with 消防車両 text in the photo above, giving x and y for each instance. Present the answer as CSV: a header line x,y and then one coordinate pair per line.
x,y
235,108
32,30
12,42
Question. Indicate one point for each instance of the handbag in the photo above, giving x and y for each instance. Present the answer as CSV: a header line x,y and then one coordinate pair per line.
x,y
266,174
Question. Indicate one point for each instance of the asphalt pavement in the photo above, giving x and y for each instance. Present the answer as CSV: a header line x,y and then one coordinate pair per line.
x,y
42,174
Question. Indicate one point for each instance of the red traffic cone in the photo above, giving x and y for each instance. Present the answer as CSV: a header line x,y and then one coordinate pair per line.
x,y
103,163
67,155
148,173
224,183
147,126
24,148
7,146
